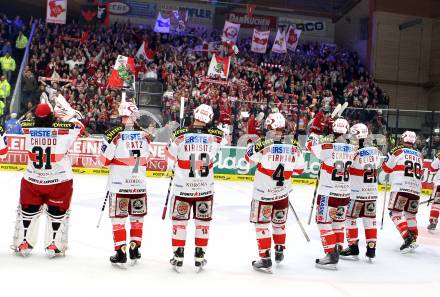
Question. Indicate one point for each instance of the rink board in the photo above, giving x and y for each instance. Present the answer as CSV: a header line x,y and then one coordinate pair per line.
x,y
165,174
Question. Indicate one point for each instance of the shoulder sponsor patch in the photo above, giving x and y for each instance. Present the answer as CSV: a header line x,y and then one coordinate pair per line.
x,y
262,144
112,133
2,131
27,124
397,150
215,131
179,132
63,125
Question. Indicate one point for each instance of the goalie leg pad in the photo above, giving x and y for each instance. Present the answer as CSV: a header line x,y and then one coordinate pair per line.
x,y
26,226
57,228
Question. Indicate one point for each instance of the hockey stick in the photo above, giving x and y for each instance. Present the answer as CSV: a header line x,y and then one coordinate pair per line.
x,y
314,197
165,207
299,222
427,201
384,203
102,210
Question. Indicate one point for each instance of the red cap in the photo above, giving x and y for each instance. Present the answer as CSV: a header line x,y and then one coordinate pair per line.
x,y
43,110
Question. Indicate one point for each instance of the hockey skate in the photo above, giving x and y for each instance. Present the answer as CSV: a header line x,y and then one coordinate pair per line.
x,y
199,258
120,257
53,251
279,253
371,252
177,260
328,262
432,225
264,264
24,249
134,252
350,253
409,244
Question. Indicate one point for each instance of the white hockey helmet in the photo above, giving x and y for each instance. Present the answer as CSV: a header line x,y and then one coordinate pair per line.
x,y
275,121
340,126
203,113
128,108
360,131
409,137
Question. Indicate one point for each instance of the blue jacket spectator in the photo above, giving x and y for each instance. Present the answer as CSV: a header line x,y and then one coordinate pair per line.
x,y
12,126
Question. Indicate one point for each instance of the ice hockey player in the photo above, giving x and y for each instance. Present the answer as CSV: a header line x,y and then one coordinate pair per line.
x,y
194,149
47,184
125,151
277,160
3,143
435,208
333,194
405,164
364,193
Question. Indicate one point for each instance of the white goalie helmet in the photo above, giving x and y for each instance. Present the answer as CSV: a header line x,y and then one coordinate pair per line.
x,y
360,131
340,126
275,121
409,137
203,113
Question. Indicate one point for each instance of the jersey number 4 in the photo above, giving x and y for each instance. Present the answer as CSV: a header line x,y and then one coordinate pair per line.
x,y
278,175
42,157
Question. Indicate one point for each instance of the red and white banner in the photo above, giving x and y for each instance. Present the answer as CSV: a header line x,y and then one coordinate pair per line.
x,y
144,52
279,45
56,11
292,38
219,67
84,153
260,40
230,32
255,21
122,72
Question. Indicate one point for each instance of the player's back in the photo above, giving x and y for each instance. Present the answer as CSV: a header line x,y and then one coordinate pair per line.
x,y
126,153
405,165
336,160
47,149
364,173
3,143
194,150
276,163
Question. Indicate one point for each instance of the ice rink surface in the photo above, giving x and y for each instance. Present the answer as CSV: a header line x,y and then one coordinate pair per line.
x,y
86,269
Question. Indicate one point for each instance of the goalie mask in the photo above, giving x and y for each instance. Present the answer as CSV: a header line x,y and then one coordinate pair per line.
x,y
409,137
360,131
275,121
203,113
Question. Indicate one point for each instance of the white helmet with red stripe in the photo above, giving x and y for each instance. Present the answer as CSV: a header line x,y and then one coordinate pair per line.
x,y
409,137
275,121
360,131
203,113
340,126
127,108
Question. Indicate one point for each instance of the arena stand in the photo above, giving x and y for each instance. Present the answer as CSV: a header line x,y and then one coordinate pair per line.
x,y
301,84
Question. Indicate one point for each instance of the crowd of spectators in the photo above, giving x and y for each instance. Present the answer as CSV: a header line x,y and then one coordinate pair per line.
x,y
13,42
299,84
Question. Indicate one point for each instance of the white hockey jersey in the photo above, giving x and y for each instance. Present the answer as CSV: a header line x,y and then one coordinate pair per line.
x,y
3,143
434,167
405,167
194,150
126,153
47,148
364,173
336,160
277,162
